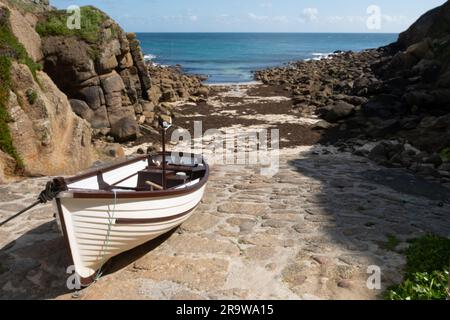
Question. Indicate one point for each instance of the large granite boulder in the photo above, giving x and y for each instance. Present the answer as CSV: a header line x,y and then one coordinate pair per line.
x,y
124,130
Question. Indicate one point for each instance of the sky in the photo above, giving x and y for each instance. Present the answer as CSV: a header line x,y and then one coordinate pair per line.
x,y
261,15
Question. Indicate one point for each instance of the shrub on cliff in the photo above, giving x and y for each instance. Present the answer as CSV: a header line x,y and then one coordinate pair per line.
x,y
6,142
54,23
10,48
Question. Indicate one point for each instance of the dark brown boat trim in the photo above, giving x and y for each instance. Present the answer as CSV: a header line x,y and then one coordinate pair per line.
x,y
90,194
153,220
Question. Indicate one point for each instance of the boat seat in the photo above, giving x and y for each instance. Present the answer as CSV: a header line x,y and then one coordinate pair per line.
x,y
154,176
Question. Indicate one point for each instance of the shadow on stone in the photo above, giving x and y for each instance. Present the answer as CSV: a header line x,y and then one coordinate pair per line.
x,y
34,265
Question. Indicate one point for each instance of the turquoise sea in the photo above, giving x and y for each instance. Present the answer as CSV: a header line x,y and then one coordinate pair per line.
x,y
231,57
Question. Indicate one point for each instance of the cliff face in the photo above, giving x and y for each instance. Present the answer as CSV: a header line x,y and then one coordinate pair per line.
x,y
99,67
434,24
40,135
102,70
97,71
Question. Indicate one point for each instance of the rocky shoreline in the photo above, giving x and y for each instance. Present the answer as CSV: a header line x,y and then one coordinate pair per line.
x,y
386,104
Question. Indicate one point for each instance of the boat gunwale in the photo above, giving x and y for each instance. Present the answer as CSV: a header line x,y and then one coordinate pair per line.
x,y
101,194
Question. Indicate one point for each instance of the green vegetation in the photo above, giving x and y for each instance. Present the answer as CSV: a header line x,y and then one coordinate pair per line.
x,y
392,242
445,155
22,6
13,48
55,24
6,142
426,277
31,96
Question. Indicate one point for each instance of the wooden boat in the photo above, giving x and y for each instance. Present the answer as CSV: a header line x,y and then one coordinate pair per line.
x,y
109,211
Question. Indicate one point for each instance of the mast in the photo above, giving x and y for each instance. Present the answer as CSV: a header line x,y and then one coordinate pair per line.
x,y
165,122
163,135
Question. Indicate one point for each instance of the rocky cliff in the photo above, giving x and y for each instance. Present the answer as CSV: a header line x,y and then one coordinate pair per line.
x,y
66,87
103,72
39,133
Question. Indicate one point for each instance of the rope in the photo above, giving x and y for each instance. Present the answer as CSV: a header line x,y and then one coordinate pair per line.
x,y
107,238
52,189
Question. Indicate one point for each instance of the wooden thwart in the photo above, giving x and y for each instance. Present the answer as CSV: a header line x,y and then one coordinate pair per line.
x,y
154,185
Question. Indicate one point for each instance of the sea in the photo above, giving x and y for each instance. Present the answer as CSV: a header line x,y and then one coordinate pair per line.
x,y
233,57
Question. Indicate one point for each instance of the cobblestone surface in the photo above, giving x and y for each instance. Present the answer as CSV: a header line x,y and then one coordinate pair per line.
x,y
309,232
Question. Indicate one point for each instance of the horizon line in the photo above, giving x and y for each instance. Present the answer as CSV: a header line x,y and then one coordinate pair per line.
x,y
267,32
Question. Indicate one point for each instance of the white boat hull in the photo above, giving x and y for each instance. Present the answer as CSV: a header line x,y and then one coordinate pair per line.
x,y
99,229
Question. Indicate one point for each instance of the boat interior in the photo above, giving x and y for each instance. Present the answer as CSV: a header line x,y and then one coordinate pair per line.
x,y
144,174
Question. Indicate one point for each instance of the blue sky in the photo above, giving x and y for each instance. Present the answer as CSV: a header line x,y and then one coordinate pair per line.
x,y
257,15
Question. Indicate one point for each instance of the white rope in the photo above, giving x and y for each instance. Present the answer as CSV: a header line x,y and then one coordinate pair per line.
x,y
107,238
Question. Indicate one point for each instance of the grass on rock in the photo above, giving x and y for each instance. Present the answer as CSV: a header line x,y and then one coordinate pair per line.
x,y
426,273
11,50
54,23
445,155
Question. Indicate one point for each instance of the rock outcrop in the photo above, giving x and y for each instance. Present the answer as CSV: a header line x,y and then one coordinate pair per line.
x,y
40,134
105,68
434,24
109,75
170,84
48,136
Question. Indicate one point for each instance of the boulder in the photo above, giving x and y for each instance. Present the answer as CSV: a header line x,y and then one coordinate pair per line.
x,y
402,61
418,98
321,125
429,70
81,109
444,79
338,111
124,130
169,96
112,82
421,50
383,106
384,152
202,92
99,119
93,96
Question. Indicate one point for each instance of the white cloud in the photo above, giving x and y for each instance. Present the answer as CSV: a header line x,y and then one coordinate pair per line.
x,y
346,19
193,18
266,5
276,19
393,19
311,13
257,18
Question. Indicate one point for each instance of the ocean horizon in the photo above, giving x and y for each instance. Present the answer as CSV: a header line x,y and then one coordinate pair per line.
x,y
233,57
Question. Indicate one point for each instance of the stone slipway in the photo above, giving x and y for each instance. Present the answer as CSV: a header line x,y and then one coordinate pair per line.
x,y
309,232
